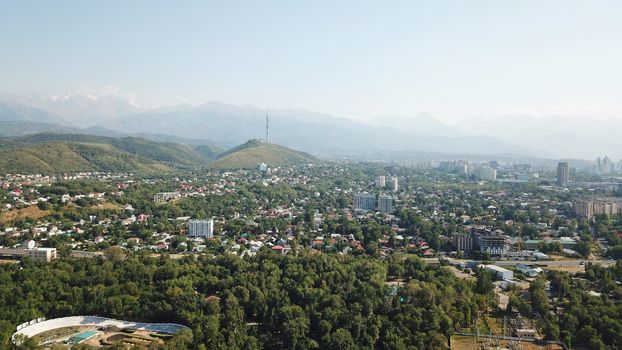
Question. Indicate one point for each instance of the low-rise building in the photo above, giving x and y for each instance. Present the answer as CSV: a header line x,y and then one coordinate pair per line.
x,y
45,254
499,271
163,197
532,244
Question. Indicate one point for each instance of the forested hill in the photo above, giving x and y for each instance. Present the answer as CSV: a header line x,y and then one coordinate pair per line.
x,y
54,153
247,155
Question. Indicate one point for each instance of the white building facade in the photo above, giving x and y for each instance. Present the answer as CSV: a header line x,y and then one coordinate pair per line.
x,y
201,228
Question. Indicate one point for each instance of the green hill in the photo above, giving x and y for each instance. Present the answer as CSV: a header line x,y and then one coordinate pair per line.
x,y
247,156
53,153
209,151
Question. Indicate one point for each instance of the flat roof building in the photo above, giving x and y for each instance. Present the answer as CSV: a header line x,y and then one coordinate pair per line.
x,y
499,271
463,242
365,201
385,204
45,254
588,208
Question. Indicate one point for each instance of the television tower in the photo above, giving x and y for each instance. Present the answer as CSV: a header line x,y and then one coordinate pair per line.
x,y
267,127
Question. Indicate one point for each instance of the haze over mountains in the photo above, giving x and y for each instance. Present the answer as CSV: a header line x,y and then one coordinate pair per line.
x,y
223,126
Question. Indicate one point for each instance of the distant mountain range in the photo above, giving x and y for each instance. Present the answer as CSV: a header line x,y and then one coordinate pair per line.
x,y
77,109
220,126
315,133
12,111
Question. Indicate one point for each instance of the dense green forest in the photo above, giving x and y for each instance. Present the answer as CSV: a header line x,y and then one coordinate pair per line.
x,y
270,301
298,302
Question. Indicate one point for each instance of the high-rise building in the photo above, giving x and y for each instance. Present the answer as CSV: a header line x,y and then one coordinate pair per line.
x,y
454,166
562,174
608,166
485,173
201,228
392,183
380,181
604,166
385,204
365,201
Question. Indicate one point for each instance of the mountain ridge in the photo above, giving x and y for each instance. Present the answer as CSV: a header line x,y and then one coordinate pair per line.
x,y
226,125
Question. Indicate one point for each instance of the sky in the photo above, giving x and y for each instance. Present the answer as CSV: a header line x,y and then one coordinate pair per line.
x,y
357,59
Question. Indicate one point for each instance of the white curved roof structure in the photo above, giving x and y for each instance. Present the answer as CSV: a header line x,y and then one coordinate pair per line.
x,y
72,321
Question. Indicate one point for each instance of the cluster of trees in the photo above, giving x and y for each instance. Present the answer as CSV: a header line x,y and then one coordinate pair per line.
x,y
270,301
573,315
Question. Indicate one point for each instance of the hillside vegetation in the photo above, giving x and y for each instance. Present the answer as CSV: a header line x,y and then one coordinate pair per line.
x,y
53,153
247,156
209,151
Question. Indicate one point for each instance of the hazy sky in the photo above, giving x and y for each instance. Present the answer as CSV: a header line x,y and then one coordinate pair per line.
x,y
353,58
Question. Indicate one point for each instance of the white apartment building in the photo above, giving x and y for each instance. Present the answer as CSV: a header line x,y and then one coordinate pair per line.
x,y
201,228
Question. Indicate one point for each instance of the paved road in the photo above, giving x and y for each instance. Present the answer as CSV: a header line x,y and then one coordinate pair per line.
x,y
83,254
543,263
